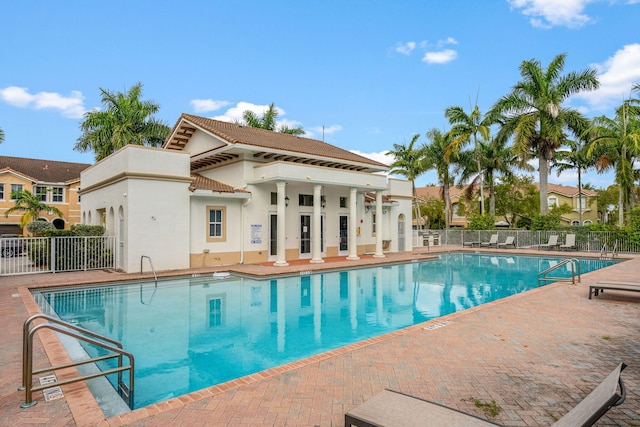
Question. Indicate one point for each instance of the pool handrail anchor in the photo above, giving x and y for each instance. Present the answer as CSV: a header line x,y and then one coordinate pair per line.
x,y
542,276
115,347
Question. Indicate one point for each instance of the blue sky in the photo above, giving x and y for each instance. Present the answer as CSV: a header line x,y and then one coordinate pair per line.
x,y
371,73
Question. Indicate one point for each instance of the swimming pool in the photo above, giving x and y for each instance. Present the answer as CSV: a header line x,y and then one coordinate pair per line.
x,y
191,333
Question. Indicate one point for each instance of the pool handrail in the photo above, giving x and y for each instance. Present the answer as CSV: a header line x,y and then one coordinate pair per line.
x,y
65,328
542,276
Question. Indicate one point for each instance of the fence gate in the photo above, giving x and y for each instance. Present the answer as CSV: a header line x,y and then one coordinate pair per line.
x,y
27,255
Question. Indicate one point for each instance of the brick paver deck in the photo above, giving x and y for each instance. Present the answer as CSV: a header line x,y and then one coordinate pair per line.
x,y
536,354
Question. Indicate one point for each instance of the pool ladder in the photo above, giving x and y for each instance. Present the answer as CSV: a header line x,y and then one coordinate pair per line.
x,y
604,251
114,347
542,276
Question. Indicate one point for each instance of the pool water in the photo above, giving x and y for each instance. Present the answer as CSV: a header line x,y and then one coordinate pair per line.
x,y
190,333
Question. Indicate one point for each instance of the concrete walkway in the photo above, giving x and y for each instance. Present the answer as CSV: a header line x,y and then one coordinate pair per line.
x,y
535,354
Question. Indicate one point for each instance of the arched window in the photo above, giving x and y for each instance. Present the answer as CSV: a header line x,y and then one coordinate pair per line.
x,y
587,222
575,222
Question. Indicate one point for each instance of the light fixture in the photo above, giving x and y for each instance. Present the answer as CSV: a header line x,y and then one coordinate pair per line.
x,y
286,201
384,210
323,202
366,208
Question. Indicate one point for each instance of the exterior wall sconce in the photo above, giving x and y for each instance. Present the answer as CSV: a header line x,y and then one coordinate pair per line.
x,y
323,202
286,201
384,210
367,208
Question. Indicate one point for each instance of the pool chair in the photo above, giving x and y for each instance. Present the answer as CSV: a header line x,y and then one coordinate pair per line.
x,y
552,243
392,408
569,243
492,242
509,241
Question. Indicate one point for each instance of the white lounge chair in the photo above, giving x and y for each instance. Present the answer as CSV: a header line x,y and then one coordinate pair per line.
x,y
569,242
509,241
392,408
492,242
552,243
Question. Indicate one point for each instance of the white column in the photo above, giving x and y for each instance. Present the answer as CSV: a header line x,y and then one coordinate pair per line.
x,y
353,224
281,259
316,236
378,253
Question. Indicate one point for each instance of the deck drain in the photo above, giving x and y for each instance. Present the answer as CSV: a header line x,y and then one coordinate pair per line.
x,y
52,393
436,326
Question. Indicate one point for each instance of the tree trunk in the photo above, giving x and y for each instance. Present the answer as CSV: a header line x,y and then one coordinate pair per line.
x,y
620,208
492,201
543,170
447,204
580,195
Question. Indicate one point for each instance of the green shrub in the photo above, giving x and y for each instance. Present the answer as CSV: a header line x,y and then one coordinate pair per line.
x,y
39,228
482,222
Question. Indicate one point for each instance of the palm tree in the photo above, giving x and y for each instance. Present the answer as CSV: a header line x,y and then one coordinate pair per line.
x,y
434,158
31,205
1,136
408,162
619,142
125,120
533,113
268,121
466,128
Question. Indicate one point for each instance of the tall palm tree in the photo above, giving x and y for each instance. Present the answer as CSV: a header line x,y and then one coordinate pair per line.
x,y
1,136
466,128
31,205
434,158
619,142
409,162
534,115
126,119
268,121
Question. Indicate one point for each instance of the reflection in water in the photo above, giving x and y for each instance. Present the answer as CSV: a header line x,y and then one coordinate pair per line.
x,y
187,334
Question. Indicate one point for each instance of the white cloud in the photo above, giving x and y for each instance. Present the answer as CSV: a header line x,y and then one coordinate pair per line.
x,y
378,157
70,106
616,75
441,57
406,48
447,41
553,13
204,105
328,130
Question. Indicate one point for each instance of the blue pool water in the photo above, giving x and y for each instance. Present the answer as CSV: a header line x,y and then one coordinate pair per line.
x,y
190,333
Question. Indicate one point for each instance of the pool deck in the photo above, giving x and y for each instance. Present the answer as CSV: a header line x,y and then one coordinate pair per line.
x,y
536,354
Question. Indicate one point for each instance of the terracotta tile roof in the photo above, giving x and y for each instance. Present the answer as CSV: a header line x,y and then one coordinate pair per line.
x,y
201,183
267,140
44,170
433,192
567,190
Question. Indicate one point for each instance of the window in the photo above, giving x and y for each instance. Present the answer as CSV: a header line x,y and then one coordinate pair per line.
x,y
581,202
455,208
552,201
305,200
274,198
1,191
587,222
15,187
343,202
216,223
57,194
215,312
373,223
40,192
575,222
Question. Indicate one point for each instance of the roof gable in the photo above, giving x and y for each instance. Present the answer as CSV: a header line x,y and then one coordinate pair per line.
x,y
267,144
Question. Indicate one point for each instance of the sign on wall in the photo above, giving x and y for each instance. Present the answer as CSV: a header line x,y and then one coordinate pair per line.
x,y
256,234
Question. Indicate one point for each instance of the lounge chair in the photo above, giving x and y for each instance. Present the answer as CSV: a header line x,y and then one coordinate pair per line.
x,y
392,408
492,242
569,242
509,241
613,285
471,243
552,243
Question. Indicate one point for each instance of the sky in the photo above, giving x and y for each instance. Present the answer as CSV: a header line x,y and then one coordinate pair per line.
x,y
359,74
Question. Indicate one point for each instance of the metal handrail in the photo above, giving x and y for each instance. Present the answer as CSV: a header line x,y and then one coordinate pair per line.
x,y
542,276
82,334
155,276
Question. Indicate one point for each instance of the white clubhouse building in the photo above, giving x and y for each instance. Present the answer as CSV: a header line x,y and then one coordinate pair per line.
x,y
218,193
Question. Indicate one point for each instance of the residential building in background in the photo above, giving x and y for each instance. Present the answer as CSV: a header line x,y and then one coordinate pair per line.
x,y
56,183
